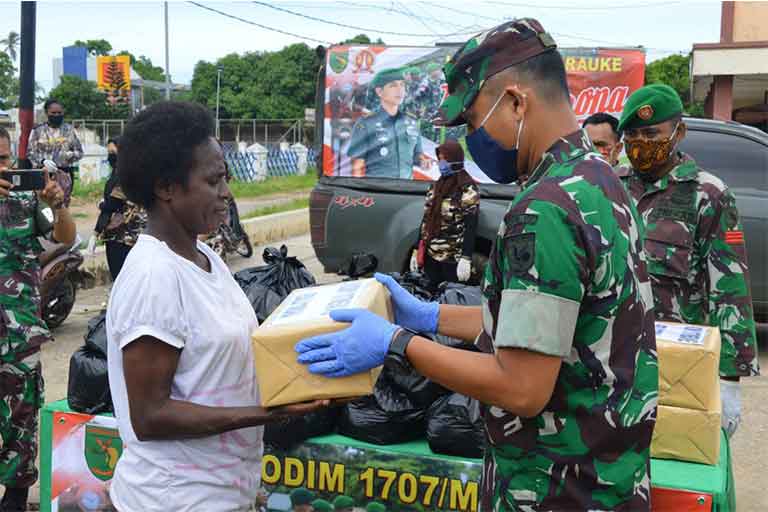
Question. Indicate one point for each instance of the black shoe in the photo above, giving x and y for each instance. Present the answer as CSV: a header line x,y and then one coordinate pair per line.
x,y
15,499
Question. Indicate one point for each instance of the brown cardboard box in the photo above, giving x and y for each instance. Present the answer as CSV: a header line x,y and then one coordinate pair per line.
x,y
689,359
686,434
304,313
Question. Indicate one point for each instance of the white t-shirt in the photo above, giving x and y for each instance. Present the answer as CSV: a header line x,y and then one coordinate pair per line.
x,y
209,318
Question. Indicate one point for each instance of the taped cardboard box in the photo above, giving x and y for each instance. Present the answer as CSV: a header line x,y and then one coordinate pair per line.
x,y
686,434
689,360
303,314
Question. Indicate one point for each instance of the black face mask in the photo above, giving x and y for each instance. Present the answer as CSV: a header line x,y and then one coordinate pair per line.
x,y
56,120
112,159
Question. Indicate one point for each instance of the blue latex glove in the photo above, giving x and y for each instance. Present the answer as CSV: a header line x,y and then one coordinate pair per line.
x,y
410,312
356,349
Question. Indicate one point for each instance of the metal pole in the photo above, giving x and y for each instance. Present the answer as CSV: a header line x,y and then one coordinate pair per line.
x,y
167,59
218,92
27,75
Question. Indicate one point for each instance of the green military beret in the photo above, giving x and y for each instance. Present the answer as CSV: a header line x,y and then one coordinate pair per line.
x,y
301,496
432,66
485,55
375,506
322,506
649,105
413,70
385,76
343,502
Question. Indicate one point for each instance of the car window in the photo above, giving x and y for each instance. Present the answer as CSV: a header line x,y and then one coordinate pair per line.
x,y
738,161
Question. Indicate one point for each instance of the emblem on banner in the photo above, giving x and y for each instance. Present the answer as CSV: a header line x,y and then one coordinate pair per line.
x,y
364,62
339,59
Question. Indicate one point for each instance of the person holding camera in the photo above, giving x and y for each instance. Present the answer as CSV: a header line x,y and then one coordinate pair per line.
x,y
24,216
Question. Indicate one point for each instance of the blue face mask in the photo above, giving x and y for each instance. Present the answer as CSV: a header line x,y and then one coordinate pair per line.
x,y
446,167
497,163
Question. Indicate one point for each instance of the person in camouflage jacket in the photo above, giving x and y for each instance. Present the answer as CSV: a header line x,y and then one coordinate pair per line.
x,y
449,225
694,242
568,369
22,330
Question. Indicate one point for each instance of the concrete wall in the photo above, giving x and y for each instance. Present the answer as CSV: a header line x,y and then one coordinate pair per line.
x,y
750,22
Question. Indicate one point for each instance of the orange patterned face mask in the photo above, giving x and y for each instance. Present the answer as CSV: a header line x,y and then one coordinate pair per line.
x,y
649,154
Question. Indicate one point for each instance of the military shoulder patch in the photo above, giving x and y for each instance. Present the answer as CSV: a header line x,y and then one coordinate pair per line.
x,y
734,237
520,252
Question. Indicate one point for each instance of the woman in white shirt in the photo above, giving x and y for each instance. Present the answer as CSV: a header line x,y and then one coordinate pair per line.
x,y
181,367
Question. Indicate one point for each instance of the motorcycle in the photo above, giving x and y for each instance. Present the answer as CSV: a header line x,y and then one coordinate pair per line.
x,y
59,278
230,236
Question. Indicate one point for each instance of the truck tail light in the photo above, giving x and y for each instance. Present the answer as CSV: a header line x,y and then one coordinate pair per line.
x,y
676,500
319,202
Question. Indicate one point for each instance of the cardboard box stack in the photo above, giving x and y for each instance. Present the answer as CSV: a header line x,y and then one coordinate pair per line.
x,y
688,420
303,314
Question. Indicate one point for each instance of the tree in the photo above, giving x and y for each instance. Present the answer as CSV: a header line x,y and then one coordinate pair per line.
x,y
10,44
82,100
95,46
265,85
117,87
674,71
145,68
9,84
362,39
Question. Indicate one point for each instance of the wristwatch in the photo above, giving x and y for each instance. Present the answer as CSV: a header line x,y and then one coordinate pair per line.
x,y
396,358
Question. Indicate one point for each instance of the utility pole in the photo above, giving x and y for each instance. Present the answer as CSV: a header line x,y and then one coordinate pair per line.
x,y
167,59
218,92
27,76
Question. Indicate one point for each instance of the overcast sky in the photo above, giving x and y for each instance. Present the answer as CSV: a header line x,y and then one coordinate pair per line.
x,y
663,27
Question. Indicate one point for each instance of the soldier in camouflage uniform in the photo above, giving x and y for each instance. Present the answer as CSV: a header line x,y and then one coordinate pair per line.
x,y
694,239
22,330
569,372
449,225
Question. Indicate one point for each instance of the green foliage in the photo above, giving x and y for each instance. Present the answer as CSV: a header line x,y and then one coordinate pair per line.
x,y
90,192
280,185
82,100
145,68
675,72
10,43
294,204
95,46
362,39
263,85
9,83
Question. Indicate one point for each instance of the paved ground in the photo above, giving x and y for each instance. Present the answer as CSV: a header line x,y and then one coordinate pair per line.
x,y
750,445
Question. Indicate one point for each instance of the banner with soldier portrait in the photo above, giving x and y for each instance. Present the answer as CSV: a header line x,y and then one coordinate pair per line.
x,y
380,102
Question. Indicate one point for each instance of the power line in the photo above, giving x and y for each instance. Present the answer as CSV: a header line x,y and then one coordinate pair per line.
x,y
279,31
344,25
582,7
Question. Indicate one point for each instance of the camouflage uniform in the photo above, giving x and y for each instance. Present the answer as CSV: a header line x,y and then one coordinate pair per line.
x,y
129,223
459,213
22,332
697,259
567,277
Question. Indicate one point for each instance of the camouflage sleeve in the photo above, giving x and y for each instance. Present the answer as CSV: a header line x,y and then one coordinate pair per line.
x,y
358,141
470,205
74,146
33,148
427,207
542,261
730,300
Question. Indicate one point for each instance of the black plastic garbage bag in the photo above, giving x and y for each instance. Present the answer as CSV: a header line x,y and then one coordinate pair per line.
x,y
455,427
395,412
285,434
361,265
88,387
416,283
96,336
263,300
460,295
281,273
